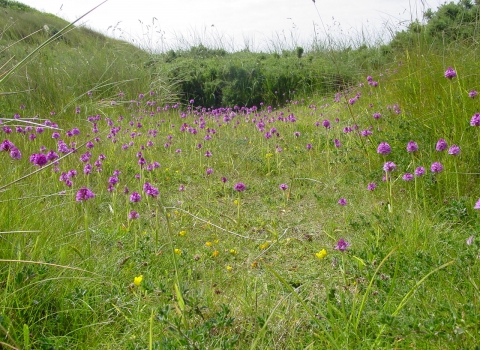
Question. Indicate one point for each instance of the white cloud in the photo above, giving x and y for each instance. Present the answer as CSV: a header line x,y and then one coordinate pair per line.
x,y
235,20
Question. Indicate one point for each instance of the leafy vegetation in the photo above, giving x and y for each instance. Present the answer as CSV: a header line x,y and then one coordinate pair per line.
x,y
343,219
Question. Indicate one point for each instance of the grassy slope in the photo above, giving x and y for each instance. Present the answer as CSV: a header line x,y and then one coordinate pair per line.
x,y
231,296
60,76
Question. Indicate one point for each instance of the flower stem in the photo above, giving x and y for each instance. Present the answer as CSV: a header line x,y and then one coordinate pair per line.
x,y
87,231
390,196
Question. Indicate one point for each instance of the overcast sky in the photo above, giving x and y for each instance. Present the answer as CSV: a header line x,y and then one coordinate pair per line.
x,y
235,24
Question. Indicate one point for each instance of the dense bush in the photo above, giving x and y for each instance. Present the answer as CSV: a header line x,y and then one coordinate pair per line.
x,y
217,78
451,22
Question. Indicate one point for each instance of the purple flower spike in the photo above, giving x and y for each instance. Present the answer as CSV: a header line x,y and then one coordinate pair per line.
x,y
436,167
133,215
419,171
441,145
283,187
6,146
150,190
450,73
384,148
39,159
83,194
113,180
475,121
342,245
15,153
473,93
135,197
342,202
240,187
389,166
454,150
371,186
477,205
412,146
407,177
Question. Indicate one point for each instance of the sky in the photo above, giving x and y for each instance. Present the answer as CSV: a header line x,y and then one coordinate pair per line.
x,y
160,25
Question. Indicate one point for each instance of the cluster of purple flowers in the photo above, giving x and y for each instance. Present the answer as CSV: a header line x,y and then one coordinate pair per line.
x,y
83,194
150,190
384,148
372,82
38,159
67,176
9,146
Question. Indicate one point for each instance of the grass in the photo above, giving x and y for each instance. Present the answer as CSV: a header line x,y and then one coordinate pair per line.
x,y
208,264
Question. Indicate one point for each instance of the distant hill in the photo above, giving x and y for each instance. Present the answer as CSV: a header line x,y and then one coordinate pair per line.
x,y
81,60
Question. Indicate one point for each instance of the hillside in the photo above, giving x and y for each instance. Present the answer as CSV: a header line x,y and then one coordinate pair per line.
x,y
59,76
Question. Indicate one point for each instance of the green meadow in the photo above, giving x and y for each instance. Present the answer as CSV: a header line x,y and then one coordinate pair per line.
x,y
321,197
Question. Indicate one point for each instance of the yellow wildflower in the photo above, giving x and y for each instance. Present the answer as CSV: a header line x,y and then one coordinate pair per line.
x,y
137,280
182,233
215,253
235,202
264,246
229,268
321,254
208,244
233,251
177,251
269,155
216,241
